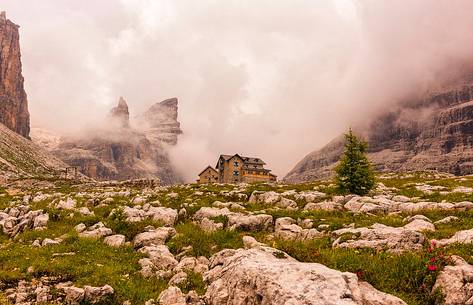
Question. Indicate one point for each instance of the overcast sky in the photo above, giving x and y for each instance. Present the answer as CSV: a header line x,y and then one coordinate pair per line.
x,y
274,79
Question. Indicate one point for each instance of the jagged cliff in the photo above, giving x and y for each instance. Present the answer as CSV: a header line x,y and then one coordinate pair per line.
x,y
160,122
118,151
434,133
13,102
120,115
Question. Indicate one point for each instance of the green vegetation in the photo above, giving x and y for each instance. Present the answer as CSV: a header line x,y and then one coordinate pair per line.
x,y
203,243
92,263
407,276
355,174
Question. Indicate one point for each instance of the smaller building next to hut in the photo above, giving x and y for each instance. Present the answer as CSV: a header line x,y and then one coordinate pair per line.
x,y
235,169
208,175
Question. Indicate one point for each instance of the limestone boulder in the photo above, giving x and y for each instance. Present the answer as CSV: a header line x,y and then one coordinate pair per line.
x,y
286,228
456,282
172,296
420,225
323,206
266,276
153,237
378,237
260,222
460,237
68,204
115,241
98,230
160,261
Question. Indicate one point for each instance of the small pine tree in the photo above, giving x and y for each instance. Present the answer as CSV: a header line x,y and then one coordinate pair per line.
x,y
355,173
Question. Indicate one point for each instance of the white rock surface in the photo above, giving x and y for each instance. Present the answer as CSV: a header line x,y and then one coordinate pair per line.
x,y
98,230
116,240
420,225
286,228
260,222
267,276
160,261
68,204
447,219
378,237
456,282
461,237
172,296
153,237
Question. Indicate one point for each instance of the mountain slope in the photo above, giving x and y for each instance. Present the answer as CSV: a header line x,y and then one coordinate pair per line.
x,y
20,157
435,133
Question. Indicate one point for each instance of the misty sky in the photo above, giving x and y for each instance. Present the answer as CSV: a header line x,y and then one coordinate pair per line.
x,y
269,78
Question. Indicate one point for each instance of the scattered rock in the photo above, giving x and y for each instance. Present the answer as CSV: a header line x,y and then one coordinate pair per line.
x,y
74,295
286,228
68,204
456,282
420,225
153,237
96,294
447,219
98,230
260,222
160,262
172,296
378,237
461,237
323,206
116,241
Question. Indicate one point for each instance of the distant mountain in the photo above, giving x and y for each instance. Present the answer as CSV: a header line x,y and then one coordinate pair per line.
x,y
433,133
119,151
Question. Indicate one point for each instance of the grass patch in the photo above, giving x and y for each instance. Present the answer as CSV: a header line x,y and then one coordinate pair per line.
x,y
203,243
94,264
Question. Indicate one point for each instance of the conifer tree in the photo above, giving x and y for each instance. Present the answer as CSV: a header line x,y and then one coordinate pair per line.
x,y
355,173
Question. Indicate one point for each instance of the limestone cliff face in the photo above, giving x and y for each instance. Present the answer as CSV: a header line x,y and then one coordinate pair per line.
x,y
435,133
160,122
119,151
13,102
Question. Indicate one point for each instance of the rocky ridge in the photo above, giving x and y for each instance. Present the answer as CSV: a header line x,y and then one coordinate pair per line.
x,y
433,133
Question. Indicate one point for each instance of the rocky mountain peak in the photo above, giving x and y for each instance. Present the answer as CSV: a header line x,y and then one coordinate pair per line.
x,y
161,122
13,101
120,113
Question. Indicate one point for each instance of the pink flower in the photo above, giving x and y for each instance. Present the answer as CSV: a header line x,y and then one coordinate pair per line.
x,y
432,268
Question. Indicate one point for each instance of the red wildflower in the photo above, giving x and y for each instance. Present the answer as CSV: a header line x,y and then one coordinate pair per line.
x,y
432,267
